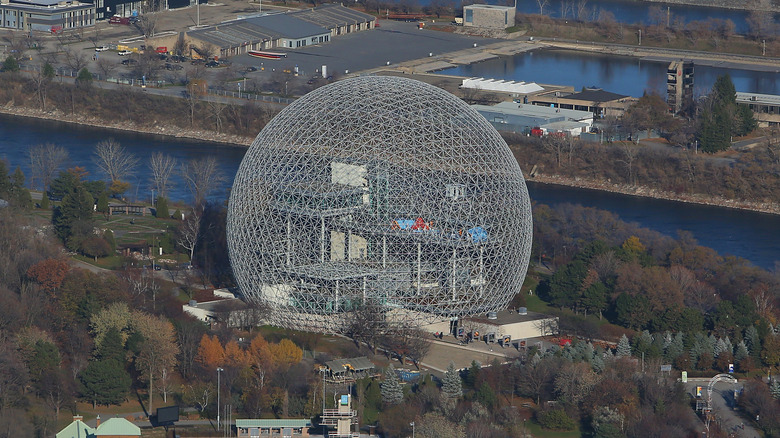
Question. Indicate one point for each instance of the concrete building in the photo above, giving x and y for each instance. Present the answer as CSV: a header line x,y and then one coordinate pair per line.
x,y
255,428
521,118
599,102
766,107
489,16
506,326
46,15
283,31
512,88
111,428
679,85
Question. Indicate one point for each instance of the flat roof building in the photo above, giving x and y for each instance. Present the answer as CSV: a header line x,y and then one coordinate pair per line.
x,y
766,107
515,117
46,15
601,103
489,16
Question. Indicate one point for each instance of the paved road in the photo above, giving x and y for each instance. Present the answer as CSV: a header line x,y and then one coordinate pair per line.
x,y
723,403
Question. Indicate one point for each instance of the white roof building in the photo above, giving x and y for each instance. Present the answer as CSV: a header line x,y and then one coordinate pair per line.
x,y
512,87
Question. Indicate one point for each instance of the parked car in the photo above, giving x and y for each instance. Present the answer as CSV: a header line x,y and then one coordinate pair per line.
x,y
212,64
250,69
101,48
118,20
124,52
128,61
169,66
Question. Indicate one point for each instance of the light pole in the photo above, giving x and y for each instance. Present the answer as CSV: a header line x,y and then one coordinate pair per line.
x,y
412,424
219,373
152,197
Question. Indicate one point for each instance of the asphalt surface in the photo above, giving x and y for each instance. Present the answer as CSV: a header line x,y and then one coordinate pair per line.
x,y
723,407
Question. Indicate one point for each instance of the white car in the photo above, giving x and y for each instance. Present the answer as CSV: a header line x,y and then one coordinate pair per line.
x,y
124,52
101,48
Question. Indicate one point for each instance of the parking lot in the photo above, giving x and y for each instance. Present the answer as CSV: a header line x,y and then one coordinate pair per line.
x,y
392,42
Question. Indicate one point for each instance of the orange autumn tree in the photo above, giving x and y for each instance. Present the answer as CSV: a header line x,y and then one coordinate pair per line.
x,y
285,354
210,352
49,274
235,356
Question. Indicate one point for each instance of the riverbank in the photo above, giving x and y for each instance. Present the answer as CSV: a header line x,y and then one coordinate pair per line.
x,y
649,192
741,5
227,140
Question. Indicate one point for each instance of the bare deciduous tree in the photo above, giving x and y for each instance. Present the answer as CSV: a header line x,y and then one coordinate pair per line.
x,y
189,231
45,160
148,24
201,176
542,5
114,160
162,167
106,67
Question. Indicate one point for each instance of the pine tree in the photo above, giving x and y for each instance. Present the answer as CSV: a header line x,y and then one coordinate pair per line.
x,y
623,348
102,203
597,363
741,351
44,201
720,347
452,386
675,348
752,341
108,236
104,382
392,393
161,212
774,388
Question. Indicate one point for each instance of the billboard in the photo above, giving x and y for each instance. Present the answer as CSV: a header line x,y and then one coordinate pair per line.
x,y
167,415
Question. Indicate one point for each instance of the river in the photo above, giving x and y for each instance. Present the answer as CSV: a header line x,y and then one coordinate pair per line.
x,y
618,74
751,235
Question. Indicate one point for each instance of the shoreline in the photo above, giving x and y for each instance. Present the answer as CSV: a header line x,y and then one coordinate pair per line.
x,y
236,141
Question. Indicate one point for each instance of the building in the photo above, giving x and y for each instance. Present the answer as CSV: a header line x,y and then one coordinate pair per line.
x,y
382,195
512,88
505,326
111,428
679,85
283,31
46,15
343,418
489,16
349,370
766,107
521,118
595,100
286,428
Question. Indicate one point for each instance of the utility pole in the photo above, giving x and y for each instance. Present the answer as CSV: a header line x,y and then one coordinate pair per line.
x,y
219,373
763,47
640,37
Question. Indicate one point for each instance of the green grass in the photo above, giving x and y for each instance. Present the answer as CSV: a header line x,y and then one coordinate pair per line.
x,y
110,262
537,431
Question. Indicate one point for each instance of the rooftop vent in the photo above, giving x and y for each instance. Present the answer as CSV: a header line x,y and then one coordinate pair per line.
x,y
492,315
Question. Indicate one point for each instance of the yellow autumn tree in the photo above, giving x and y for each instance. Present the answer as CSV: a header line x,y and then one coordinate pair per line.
x,y
285,354
210,352
259,353
235,356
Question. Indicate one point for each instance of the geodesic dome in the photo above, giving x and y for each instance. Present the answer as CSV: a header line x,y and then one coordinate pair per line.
x,y
379,192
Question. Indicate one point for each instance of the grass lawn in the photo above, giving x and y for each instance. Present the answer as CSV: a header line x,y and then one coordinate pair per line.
x,y
537,431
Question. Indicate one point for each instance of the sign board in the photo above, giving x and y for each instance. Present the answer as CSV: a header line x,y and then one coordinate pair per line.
x,y
344,400
698,391
684,377
731,368
666,368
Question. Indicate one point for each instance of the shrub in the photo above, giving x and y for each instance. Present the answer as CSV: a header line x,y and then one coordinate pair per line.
x,y
555,419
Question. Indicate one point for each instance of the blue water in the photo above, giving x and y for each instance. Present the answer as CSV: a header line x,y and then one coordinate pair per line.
x,y
753,236
618,74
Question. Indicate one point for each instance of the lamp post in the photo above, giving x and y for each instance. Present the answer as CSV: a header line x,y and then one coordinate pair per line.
x,y
412,424
219,373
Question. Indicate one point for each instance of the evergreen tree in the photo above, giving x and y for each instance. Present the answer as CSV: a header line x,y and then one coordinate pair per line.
x,y
73,219
44,201
111,347
392,393
104,382
753,342
161,211
5,181
774,388
720,347
84,79
597,363
676,347
623,347
741,351
108,236
729,347
452,386
102,203
565,284
642,342
10,64
177,214
48,71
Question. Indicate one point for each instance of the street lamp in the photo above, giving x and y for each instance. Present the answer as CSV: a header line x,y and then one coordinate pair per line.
x,y
412,424
219,373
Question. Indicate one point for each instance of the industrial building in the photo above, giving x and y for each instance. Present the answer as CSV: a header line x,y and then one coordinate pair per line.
x,y
595,100
679,85
521,118
766,107
288,31
489,16
381,195
46,15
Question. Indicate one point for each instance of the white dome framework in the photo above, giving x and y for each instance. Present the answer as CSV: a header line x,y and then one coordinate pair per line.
x,y
383,191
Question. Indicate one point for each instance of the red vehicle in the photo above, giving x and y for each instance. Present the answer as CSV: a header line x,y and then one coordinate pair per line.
x,y
118,20
162,50
537,131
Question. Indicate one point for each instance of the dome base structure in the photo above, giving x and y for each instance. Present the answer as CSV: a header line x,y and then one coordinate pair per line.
x,y
378,198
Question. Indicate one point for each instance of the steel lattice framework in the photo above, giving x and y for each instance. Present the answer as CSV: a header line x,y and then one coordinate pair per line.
x,y
379,190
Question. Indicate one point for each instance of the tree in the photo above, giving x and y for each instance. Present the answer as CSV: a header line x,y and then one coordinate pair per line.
x,y
211,354
84,78
623,348
10,64
162,166
189,231
392,393
452,386
162,212
201,176
104,382
95,246
115,316
49,274
285,354
158,351
114,160
73,218
45,160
